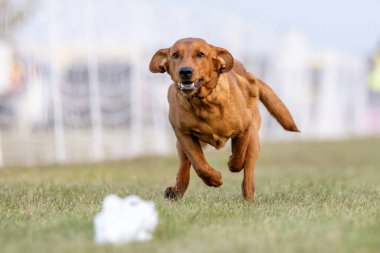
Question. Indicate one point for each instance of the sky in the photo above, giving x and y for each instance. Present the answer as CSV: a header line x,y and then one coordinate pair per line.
x,y
352,26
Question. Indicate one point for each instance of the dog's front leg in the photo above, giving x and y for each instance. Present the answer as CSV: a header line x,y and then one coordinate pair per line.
x,y
239,146
194,153
183,176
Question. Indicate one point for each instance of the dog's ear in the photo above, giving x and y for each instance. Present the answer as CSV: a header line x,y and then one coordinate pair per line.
x,y
159,62
225,60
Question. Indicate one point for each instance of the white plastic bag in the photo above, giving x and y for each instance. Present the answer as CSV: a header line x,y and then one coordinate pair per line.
x,y
125,220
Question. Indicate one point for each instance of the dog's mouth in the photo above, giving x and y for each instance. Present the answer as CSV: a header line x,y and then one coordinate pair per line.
x,y
190,85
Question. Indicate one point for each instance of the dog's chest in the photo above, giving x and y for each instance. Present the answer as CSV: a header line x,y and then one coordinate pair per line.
x,y
214,139
214,126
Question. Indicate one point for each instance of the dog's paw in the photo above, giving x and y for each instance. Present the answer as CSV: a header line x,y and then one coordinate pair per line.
x,y
172,193
248,191
234,165
213,179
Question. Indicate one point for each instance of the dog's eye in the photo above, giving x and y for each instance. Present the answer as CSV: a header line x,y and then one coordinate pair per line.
x,y
200,54
175,55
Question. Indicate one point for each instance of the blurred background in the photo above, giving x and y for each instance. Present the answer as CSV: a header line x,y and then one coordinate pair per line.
x,y
75,85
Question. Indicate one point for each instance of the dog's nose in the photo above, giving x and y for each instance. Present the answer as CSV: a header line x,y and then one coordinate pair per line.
x,y
185,72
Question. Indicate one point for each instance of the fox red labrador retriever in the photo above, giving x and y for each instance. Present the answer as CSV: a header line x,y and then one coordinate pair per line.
x,y
213,99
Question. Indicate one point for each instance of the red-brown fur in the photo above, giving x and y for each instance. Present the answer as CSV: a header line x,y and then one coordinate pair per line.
x,y
224,106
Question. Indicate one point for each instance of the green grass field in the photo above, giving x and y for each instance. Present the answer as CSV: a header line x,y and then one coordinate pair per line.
x,y
310,197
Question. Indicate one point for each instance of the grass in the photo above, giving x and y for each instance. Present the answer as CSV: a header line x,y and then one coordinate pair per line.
x,y
310,197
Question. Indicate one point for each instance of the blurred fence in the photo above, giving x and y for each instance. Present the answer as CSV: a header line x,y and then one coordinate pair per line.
x,y
66,102
82,108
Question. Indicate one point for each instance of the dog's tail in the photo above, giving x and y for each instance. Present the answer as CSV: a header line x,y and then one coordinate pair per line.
x,y
276,107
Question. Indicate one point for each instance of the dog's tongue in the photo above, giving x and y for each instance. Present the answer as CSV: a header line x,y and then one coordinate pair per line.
x,y
187,86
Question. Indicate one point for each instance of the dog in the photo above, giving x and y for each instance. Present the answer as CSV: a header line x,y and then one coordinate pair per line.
x,y
213,99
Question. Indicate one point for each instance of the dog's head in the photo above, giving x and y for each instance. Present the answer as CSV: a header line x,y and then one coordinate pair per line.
x,y
192,63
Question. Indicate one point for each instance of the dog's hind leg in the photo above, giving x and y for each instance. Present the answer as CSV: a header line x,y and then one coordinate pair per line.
x,y
253,149
183,176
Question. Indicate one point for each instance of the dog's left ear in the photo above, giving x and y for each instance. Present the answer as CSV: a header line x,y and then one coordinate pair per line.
x,y
225,60
159,62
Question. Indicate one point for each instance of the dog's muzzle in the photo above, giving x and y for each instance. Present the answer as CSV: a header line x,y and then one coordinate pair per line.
x,y
189,86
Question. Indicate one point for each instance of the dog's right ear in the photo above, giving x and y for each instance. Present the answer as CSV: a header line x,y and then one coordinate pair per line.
x,y
159,62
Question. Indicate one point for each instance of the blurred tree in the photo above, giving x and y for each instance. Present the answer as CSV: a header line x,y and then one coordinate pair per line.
x,y
12,13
